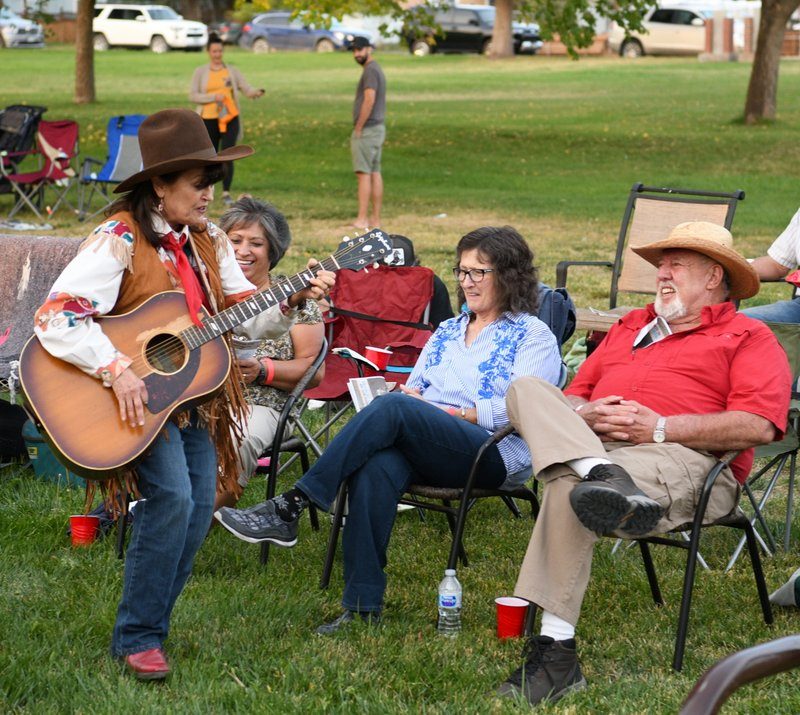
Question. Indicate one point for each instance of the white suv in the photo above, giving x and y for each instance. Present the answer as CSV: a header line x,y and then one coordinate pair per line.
x,y
155,26
668,31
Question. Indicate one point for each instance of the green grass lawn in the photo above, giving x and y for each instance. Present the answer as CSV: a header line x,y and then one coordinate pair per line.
x,y
549,145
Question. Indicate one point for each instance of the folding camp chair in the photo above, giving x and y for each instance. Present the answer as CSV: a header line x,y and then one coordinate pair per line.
x,y
57,147
380,307
441,499
123,159
735,520
650,214
18,124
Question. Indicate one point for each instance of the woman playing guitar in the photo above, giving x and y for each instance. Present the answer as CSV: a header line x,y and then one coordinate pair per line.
x,y
158,238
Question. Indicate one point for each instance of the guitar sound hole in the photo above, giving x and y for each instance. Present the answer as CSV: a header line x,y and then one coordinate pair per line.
x,y
165,353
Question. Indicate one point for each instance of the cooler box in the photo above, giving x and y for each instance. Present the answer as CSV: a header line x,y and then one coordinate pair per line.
x,y
45,464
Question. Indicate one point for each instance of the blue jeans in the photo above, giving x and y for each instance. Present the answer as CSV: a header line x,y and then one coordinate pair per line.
x,y
784,311
177,477
394,441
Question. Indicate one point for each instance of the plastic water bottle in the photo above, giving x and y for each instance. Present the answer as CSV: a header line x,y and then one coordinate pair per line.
x,y
449,604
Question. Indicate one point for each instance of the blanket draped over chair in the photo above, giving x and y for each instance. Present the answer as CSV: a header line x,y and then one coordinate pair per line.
x,y
29,265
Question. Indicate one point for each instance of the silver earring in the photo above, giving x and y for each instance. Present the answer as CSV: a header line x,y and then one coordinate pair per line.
x,y
160,207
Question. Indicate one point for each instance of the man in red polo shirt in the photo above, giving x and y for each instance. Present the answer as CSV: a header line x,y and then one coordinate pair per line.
x,y
626,448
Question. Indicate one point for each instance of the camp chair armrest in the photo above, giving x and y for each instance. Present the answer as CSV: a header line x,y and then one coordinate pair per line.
x,y
745,666
563,267
464,504
6,153
711,479
87,166
10,169
312,369
357,358
295,395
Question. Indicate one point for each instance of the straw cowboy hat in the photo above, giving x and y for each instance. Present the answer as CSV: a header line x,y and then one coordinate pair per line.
x,y
174,140
713,241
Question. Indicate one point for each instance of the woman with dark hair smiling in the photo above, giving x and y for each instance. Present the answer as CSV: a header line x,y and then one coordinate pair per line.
x,y
260,236
430,431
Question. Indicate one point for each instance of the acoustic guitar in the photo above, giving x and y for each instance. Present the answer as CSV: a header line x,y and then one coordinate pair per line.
x,y
182,365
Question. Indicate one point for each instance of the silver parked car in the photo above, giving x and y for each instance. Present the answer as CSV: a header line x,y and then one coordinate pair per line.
x,y
16,31
668,31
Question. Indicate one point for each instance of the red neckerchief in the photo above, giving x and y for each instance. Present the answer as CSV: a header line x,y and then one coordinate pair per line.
x,y
187,276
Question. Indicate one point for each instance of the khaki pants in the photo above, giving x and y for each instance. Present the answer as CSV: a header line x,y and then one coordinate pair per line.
x,y
258,435
555,571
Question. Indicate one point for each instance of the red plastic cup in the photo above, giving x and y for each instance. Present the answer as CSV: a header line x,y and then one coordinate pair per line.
x,y
83,529
511,613
380,356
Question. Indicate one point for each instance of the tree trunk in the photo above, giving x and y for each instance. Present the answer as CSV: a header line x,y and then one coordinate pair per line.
x,y
502,38
762,92
84,53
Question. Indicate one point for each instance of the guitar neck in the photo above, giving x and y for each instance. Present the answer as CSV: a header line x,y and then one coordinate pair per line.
x,y
215,325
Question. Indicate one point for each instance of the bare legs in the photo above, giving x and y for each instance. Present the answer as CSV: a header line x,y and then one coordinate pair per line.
x,y
370,186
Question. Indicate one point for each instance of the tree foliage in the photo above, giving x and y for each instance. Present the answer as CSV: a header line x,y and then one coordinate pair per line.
x,y
573,21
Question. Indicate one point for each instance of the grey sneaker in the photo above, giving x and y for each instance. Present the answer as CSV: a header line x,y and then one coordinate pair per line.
x,y
608,499
259,523
551,671
346,619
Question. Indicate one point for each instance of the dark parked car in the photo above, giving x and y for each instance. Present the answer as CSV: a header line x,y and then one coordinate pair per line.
x,y
278,31
228,32
467,28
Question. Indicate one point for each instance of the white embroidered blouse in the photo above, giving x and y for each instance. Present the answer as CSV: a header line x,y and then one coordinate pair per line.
x,y
89,287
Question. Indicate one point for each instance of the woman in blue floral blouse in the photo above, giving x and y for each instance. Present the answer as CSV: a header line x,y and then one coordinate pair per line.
x,y
430,431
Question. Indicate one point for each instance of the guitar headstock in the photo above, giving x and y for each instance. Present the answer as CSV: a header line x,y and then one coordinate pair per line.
x,y
362,251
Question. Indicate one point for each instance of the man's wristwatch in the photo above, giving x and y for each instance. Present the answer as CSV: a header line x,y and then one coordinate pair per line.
x,y
660,433
262,374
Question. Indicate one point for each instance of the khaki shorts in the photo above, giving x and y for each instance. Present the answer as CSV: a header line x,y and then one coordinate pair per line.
x,y
366,149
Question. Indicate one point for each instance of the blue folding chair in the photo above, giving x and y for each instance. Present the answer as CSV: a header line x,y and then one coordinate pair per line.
x,y
124,159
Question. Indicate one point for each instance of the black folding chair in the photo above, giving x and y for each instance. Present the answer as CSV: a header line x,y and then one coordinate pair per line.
x,y
418,496
735,520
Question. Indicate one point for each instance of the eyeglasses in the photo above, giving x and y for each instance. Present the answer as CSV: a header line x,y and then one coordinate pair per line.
x,y
476,275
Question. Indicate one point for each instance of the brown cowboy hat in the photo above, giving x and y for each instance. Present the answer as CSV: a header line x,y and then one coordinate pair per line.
x,y
711,240
174,140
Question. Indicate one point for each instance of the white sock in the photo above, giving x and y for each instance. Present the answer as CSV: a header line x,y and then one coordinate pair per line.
x,y
557,628
583,466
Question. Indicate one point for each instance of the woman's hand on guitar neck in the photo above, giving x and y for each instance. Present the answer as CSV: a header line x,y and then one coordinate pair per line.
x,y
131,394
318,287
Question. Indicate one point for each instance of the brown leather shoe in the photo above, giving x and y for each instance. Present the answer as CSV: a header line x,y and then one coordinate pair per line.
x,y
148,665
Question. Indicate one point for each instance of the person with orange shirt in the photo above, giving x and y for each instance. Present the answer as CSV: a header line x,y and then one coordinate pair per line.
x,y
215,89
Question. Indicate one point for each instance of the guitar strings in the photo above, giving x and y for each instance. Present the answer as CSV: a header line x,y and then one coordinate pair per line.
x,y
173,347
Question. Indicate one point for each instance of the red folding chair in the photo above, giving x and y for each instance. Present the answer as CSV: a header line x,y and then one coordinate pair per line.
x,y
56,149
383,307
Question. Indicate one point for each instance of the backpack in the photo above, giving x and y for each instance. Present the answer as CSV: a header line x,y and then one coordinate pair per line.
x,y
557,311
